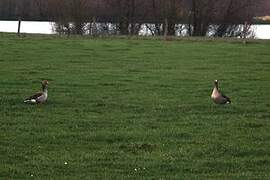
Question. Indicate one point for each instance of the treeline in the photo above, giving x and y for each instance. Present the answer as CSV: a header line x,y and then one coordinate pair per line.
x,y
128,17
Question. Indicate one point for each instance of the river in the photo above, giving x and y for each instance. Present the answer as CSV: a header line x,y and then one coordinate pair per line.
x,y
261,31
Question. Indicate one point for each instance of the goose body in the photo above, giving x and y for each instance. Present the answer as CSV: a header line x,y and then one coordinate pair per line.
x,y
218,97
39,97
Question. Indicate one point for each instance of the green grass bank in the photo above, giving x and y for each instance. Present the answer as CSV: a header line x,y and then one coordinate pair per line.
x,y
122,108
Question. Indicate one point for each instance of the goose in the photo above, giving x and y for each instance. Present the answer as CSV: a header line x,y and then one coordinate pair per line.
x,y
39,97
218,97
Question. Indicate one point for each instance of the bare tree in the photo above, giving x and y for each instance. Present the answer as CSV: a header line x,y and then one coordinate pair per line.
x,y
236,18
200,15
21,12
172,11
217,17
220,17
72,16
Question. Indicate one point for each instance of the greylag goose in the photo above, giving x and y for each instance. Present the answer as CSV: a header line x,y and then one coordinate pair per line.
x,y
217,96
39,97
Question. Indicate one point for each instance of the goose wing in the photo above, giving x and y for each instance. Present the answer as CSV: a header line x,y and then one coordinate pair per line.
x,y
227,98
35,96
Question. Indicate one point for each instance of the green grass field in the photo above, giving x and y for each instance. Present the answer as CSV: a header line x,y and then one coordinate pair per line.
x,y
122,108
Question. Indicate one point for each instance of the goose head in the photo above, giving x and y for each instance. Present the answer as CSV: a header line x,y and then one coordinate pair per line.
x,y
216,83
45,84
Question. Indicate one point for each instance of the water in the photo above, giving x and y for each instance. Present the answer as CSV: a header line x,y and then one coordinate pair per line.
x,y
27,27
261,31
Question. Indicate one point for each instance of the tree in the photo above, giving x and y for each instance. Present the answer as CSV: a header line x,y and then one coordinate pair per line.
x,y
236,18
72,16
172,12
21,12
225,14
203,17
200,13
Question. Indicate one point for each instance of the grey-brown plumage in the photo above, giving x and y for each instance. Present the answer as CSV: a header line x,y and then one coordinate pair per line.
x,y
218,97
39,97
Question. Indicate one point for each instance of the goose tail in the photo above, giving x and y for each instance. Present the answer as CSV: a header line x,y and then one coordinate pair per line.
x,y
228,100
29,101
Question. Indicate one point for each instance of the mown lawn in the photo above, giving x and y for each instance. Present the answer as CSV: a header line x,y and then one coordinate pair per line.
x,y
122,108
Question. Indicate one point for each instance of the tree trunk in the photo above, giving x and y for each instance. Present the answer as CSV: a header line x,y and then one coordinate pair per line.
x,y
171,29
189,24
93,27
166,27
245,29
132,14
123,26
